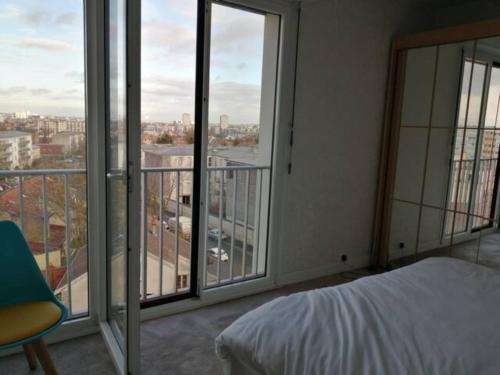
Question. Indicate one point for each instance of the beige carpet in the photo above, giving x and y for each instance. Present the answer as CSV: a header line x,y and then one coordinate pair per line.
x,y
181,344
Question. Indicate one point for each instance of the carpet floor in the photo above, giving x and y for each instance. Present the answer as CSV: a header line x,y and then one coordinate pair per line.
x,y
181,344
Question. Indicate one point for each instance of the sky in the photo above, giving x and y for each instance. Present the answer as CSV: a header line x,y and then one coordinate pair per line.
x,y
42,59
168,61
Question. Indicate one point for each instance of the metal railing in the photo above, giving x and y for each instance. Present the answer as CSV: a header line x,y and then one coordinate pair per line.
x,y
31,209
232,228
232,248
474,195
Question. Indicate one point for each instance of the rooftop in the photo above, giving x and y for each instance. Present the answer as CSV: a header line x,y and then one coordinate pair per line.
x,y
12,134
240,154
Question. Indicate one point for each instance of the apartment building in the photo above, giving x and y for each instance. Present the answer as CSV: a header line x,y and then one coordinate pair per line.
x,y
15,149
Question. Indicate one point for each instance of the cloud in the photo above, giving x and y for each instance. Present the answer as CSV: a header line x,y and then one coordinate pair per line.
x,y
10,11
46,44
67,19
239,100
36,17
235,30
13,90
187,8
174,37
165,99
75,76
40,91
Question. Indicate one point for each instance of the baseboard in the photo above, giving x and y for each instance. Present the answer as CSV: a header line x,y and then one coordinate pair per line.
x,y
210,297
325,270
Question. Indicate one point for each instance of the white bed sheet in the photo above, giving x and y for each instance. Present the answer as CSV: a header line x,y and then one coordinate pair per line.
x,y
438,316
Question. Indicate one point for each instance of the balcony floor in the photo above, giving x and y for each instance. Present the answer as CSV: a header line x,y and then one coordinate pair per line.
x,y
175,345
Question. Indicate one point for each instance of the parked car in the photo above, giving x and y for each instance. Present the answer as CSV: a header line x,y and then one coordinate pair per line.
x,y
214,253
213,234
184,226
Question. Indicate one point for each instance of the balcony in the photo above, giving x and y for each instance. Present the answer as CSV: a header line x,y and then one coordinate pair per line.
x,y
24,142
4,146
231,224
50,206
465,195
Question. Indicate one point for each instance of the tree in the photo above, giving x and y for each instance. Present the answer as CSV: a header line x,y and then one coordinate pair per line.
x,y
164,138
189,137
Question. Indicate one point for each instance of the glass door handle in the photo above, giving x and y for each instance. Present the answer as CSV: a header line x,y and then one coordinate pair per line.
x,y
116,174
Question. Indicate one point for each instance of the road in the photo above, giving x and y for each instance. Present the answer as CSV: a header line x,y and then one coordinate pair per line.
x,y
169,244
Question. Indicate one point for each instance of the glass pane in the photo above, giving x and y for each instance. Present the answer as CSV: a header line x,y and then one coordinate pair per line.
x,y
459,195
404,227
431,232
240,141
493,106
448,79
489,249
419,79
470,105
43,128
485,185
116,170
411,161
438,168
466,245
168,64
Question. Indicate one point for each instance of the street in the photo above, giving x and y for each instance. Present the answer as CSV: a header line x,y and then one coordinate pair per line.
x,y
169,239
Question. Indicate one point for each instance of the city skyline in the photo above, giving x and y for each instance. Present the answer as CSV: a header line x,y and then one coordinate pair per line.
x,y
42,48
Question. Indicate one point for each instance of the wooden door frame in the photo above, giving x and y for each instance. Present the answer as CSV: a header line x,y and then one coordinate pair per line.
x,y
392,118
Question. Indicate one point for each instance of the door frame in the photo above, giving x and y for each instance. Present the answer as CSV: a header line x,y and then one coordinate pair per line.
x,y
283,119
126,360
200,129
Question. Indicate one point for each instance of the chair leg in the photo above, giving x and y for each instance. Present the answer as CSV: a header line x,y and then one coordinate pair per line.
x,y
30,356
44,357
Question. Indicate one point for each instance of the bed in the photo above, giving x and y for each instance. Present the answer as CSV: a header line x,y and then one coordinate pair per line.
x,y
437,316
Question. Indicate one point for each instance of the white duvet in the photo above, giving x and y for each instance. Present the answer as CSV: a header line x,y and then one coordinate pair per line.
x,y
438,316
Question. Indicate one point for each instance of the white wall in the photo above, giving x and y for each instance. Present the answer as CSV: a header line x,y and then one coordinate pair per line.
x,y
342,70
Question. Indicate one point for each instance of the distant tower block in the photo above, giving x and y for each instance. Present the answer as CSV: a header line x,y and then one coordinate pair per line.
x,y
186,119
224,122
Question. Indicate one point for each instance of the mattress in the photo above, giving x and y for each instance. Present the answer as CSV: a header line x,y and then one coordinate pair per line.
x,y
437,316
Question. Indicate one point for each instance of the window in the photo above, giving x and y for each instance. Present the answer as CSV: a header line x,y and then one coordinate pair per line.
x,y
243,66
43,139
168,63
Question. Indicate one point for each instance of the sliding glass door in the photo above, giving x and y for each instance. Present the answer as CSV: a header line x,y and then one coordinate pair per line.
x,y
239,142
121,327
485,196
474,174
208,85
170,144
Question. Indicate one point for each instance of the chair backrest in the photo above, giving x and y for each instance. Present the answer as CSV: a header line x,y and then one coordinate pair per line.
x,y
20,276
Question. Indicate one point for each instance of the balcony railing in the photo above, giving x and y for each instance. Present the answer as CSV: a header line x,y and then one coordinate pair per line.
x,y
462,190
45,204
232,223
4,146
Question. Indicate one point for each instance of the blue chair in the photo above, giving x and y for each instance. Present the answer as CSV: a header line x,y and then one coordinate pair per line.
x,y
28,308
